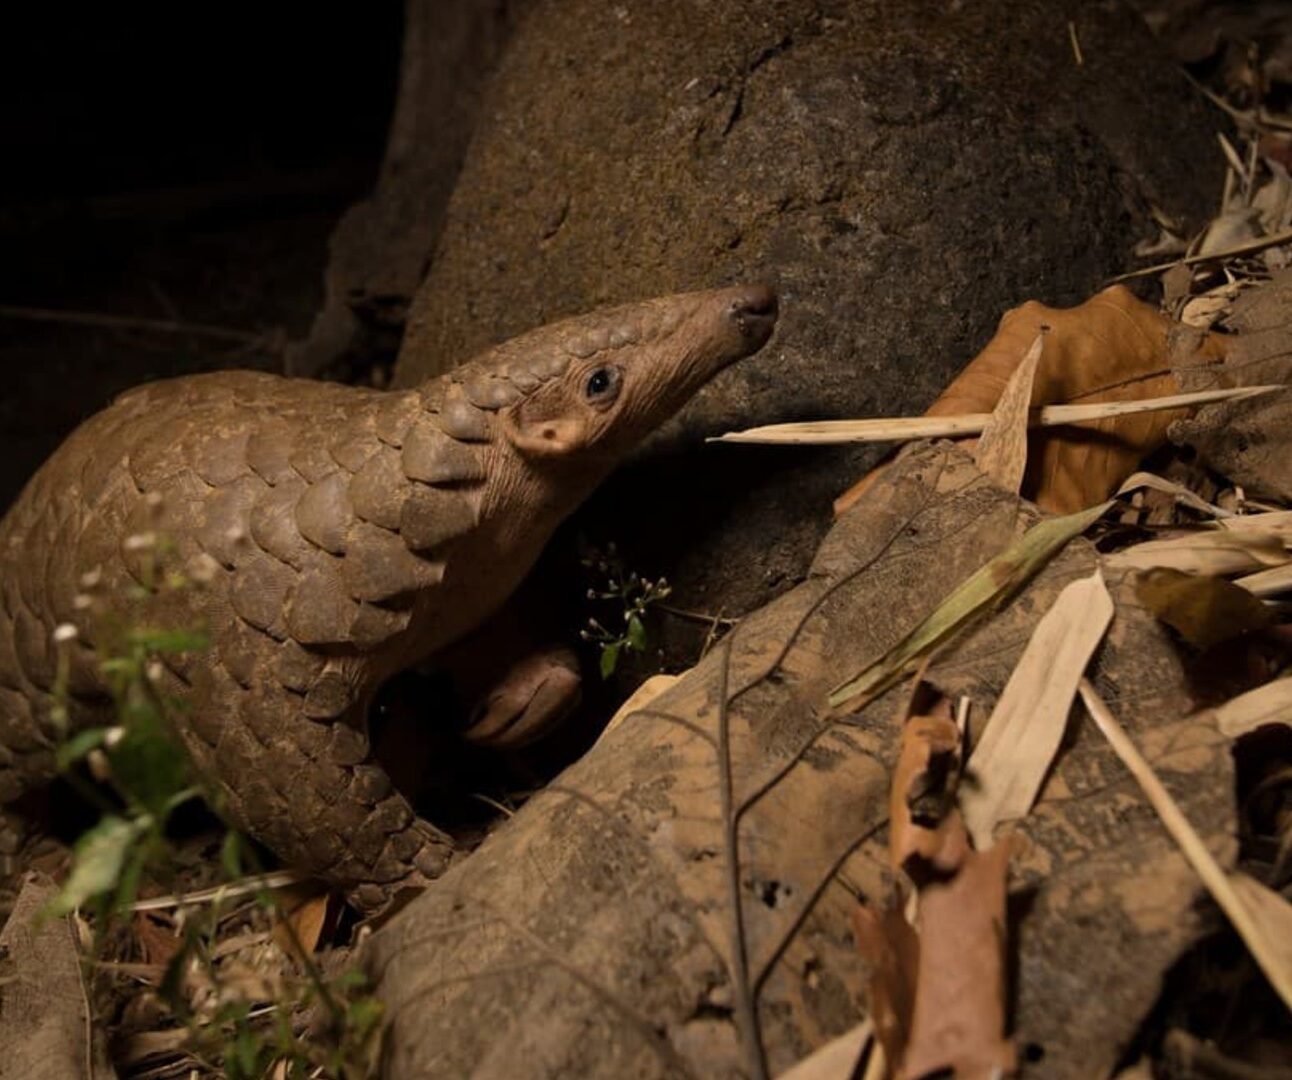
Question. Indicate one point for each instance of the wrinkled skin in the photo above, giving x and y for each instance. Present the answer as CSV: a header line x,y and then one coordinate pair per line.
x,y
340,535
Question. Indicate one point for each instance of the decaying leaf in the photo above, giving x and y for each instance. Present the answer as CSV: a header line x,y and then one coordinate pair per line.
x,y
1250,442
958,1020
923,794
1023,734
1203,609
994,582
1001,452
157,938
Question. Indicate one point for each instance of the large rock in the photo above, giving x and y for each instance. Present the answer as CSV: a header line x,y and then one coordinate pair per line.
x,y
904,173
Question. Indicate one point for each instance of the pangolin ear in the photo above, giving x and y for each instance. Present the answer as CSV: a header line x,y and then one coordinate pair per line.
x,y
544,436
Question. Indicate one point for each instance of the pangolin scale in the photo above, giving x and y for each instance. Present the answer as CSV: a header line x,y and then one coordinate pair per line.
x,y
342,534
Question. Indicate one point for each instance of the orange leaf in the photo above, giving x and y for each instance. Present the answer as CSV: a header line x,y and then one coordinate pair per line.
x,y
1111,348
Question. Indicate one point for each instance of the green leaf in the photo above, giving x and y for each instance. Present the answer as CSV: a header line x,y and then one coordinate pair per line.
x,y
992,583
636,634
609,659
364,1015
79,745
148,765
231,855
98,859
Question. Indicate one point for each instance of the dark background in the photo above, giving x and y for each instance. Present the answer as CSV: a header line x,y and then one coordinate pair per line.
x,y
180,164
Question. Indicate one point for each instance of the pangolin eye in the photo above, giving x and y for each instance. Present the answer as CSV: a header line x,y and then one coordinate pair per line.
x,y
603,385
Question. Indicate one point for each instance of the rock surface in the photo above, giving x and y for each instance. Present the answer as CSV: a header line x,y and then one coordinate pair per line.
x,y
903,175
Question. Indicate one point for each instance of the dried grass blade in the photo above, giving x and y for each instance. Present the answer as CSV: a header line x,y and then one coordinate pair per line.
x,y
1219,552
1271,956
1023,734
903,428
992,583
837,1059
1182,494
1268,704
1271,582
1001,453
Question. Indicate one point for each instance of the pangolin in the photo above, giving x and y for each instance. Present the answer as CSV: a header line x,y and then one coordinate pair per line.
x,y
344,534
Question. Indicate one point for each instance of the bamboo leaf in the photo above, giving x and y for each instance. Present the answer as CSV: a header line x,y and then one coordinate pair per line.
x,y
991,584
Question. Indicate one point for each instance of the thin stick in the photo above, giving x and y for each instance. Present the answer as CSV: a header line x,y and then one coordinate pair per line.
x,y
1190,843
246,887
101,321
1076,45
896,429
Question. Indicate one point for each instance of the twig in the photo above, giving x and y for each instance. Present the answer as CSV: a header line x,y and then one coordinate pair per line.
x,y
246,887
102,321
1076,45
1251,247
1189,842
696,616
895,429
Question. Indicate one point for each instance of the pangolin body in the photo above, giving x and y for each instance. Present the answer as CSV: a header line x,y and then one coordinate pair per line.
x,y
341,534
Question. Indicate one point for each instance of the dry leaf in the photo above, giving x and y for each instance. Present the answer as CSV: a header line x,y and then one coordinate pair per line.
x,y
1253,925
640,699
890,946
304,913
1012,758
837,1059
157,940
1271,582
958,1022
1218,552
1111,348
1202,609
923,793
991,584
1001,452
1268,704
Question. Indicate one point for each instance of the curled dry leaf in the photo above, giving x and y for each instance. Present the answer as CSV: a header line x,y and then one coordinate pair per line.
x,y
1202,609
1111,348
924,791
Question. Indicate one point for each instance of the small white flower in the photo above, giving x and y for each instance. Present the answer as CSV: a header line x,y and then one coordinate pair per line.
x,y
91,578
153,498
154,671
63,633
82,602
144,541
203,568
113,736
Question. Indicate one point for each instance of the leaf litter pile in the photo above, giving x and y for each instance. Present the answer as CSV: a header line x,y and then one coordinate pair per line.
x,y
1075,863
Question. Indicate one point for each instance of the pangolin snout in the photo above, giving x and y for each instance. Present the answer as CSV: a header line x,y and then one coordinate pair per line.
x,y
753,309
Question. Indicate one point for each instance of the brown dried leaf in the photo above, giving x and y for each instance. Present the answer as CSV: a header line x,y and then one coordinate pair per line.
x,y
1026,728
1001,452
891,948
157,939
305,911
922,798
1111,348
1202,609
958,1022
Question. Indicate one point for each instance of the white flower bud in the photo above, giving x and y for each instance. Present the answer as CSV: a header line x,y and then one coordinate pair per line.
x,y
63,633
